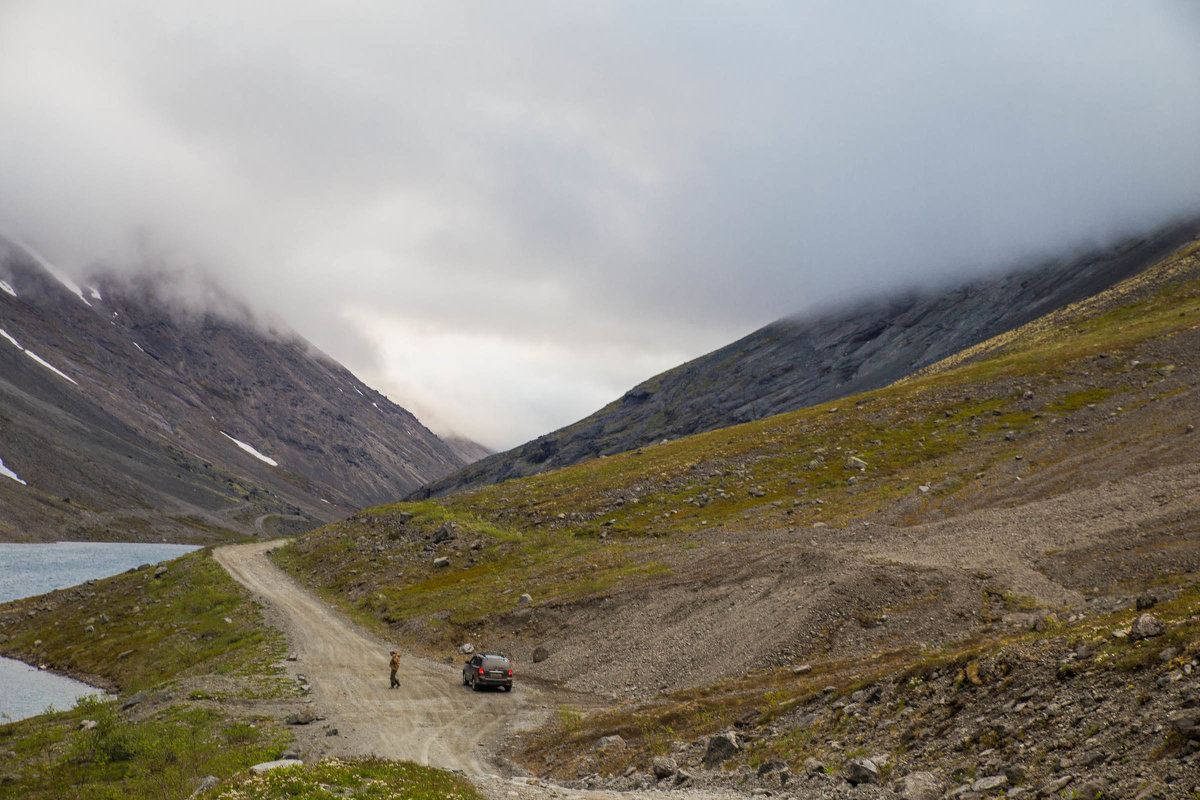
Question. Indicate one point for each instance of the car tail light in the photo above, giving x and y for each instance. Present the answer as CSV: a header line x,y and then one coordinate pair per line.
x,y
481,670
510,673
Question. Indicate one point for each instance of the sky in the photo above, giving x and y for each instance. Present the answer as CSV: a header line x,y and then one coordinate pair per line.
x,y
504,215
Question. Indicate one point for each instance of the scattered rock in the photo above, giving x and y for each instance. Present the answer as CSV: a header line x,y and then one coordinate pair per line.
x,y
813,767
540,654
610,744
206,783
802,669
862,770
1093,789
1186,722
989,783
1043,622
1146,626
921,786
304,716
267,766
663,767
134,700
87,725
442,561
721,747
466,648
524,600
775,768
854,462
160,571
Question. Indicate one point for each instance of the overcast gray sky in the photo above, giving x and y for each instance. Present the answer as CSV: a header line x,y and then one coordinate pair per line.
x,y
503,215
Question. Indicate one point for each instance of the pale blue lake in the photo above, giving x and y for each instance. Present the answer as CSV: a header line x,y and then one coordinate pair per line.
x,y
32,569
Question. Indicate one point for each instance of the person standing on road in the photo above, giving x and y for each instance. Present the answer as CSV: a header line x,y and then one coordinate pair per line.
x,y
394,665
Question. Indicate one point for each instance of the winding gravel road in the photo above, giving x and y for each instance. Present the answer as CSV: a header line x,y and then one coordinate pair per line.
x,y
431,719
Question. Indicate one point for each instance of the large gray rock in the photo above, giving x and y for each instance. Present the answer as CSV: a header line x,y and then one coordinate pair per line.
x,y
921,786
442,561
862,770
721,748
1146,626
304,716
540,654
989,783
610,744
663,767
206,783
267,766
1186,722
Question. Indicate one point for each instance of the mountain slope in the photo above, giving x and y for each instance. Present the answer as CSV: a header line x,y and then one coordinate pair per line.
x,y
799,362
127,416
1056,471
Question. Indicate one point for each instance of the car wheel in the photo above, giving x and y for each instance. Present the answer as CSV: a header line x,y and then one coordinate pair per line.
x,y
464,679
474,685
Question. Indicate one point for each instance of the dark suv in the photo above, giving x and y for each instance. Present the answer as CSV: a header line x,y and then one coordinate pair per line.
x,y
488,669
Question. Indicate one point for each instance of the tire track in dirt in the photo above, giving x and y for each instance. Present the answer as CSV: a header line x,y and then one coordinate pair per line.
x,y
430,719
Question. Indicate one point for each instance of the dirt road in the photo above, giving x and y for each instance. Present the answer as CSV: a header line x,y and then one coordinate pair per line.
x,y
431,719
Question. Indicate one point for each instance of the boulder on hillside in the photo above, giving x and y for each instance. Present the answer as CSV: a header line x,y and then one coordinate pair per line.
x,y
610,744
862,770
721,748
1186,722
1146,626
267,766
921,786
663,767
540,654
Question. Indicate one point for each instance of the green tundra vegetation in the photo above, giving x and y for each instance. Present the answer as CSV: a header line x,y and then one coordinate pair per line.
x,y
588,529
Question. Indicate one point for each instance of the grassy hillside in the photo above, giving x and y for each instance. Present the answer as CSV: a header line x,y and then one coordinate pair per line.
x,y
1082,381
189,655
894,538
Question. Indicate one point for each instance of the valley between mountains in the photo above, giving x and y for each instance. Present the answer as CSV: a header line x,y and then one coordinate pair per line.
x,y
978,581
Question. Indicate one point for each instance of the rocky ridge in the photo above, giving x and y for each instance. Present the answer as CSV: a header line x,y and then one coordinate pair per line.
x,y
804,361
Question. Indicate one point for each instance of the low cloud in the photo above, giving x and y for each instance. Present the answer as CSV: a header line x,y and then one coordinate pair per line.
x,y
503,217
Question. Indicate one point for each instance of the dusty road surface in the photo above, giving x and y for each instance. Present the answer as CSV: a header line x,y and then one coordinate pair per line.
x,y
431,719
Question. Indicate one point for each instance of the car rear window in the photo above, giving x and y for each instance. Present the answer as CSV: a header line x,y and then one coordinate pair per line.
x,y
495,663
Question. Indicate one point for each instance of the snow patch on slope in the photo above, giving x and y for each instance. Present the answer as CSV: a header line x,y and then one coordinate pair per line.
x,y
56,273
50,366
7,287
8,473
251,450
37,358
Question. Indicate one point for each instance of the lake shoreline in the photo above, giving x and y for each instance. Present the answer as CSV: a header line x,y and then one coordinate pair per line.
x,y
97,682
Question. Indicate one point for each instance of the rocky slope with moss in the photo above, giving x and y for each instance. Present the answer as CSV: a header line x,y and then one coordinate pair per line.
x,y
1049,471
